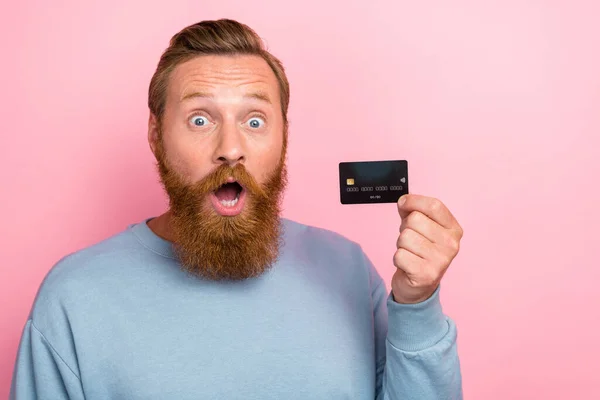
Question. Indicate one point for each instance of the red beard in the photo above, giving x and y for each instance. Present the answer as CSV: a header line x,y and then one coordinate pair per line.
x,y
225,248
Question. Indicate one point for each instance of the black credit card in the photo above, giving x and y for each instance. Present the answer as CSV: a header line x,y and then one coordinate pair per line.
x,y
364,182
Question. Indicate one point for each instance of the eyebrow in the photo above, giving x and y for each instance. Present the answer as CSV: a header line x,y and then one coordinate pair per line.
x,y
257,95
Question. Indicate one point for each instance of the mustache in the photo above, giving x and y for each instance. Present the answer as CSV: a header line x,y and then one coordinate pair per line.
x,y
220,175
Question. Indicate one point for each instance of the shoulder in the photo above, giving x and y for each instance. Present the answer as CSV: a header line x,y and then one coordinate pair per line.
x,y
327,251
330,250
324,240
86,261
73,278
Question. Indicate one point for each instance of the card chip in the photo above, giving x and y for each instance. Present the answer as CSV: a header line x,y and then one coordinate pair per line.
x,y
349,181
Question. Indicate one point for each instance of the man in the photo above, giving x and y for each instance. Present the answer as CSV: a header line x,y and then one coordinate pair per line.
x,y
220,298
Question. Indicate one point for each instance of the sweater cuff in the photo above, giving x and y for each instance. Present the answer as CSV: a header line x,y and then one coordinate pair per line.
x,y
414,327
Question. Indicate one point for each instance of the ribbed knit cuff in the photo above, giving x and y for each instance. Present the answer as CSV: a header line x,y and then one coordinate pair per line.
x,y
414,327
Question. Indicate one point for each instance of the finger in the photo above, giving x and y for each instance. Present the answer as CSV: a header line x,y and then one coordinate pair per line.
x,y
416,244
408,262
434,232
422,224
432,207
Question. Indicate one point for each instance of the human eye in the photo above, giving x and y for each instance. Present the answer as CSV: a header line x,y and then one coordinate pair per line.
x,y
256,122
199,121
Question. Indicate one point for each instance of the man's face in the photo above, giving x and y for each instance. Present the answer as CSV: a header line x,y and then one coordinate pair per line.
x,y
221,150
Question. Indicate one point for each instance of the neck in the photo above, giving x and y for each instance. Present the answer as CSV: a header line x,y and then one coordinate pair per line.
x,y
161,226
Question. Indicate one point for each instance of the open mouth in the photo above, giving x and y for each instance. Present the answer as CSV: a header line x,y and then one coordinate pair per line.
x,y
229,194
228,199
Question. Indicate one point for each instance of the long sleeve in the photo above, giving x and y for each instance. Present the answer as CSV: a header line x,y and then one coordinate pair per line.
x,y
417,355
40,372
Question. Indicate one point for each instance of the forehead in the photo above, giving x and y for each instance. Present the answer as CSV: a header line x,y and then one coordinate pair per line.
x,y
214,74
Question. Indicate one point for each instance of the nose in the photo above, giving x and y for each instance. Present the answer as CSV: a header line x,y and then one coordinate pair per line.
x,y
230,148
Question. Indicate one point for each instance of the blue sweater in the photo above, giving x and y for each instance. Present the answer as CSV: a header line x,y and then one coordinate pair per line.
x,y
121,320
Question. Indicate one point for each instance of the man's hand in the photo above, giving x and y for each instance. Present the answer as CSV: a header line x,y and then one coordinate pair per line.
x,y
428,242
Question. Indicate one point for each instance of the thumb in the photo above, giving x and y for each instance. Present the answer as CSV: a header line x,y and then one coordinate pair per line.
x,y
403,210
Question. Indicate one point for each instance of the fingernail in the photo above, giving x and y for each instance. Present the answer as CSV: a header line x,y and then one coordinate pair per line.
x,y
402,200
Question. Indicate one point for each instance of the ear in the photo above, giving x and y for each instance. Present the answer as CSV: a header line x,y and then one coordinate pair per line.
x,y
153,133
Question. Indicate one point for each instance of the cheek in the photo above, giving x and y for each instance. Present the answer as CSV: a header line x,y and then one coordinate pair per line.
x,y
267,162
188,163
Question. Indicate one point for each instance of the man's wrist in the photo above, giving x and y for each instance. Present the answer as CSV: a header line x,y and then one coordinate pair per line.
x,y
399,298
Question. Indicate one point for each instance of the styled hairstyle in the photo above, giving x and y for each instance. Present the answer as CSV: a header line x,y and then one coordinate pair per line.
x,y
217,37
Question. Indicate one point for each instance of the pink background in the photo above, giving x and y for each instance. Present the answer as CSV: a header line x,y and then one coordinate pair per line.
x,y
494,104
